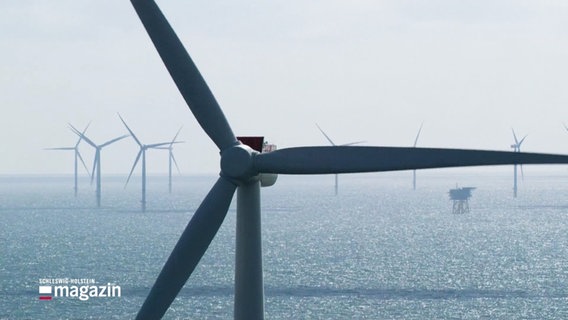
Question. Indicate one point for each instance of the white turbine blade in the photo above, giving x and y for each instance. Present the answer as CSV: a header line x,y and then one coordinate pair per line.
x,y
325,160
418,134
113,140
61,148
177,133
352,143
185,74
83,162
94,166
131,133
189,249
175,162
156,145
325,135
133,166
83,133
565,127
515,136
521,142
77,132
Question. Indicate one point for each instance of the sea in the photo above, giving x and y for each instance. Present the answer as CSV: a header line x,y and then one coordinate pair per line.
x,y
377,250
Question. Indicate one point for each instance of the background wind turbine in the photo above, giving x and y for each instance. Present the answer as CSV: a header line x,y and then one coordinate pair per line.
x,y
77,157
141,153
171,159
97,161
243,170
333,144
516,148
414,171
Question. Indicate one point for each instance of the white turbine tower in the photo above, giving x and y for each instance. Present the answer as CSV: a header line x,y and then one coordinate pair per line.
x,y
516,148
414,171
97,161
171,159
78,157
141,153
243,169
333,144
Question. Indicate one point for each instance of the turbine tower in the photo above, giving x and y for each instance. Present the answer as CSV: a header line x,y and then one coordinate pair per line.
x,y
333,144
516,148
97,161
243,169
77,157
171,159
414,171
142,152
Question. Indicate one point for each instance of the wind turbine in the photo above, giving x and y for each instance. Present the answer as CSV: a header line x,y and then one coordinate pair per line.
x,y
242,169
171,159
516,148
333,144
97,161
77,157
142,152
414,171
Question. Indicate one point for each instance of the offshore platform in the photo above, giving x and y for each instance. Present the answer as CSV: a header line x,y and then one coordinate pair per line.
x,y
460,198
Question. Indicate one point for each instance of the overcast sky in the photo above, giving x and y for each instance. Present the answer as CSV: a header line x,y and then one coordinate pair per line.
x,y
363,70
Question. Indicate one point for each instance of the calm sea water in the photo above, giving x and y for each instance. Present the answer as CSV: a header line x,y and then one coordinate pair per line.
x,y
378,250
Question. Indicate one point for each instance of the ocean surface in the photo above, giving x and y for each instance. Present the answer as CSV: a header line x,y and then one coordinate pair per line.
x,y
378,250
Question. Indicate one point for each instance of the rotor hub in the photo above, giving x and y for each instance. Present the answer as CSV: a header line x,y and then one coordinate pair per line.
x,y
237,163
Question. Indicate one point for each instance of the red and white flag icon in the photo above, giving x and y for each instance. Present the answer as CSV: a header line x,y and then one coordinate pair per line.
x,y
44,292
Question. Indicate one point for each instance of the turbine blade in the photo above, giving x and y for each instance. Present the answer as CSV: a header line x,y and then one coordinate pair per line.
x,y
522,173
131,133
565,126
80,138
189,249
352,143
83,162
521,142
325,135
185,74
62,148
77,132
133,167
418,134
113,140
515,136
156,145
94,167
175,162
177,133
323,160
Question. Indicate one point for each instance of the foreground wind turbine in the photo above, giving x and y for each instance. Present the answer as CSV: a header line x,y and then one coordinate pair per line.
x,y
97,162
142,152
414,171
243,168
516,148
171,159
77,157
333,144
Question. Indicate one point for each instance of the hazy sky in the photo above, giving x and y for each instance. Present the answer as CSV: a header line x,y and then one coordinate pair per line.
x,y
363,70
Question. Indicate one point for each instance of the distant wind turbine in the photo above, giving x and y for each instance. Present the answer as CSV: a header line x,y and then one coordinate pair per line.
x,y
171,159
141,153
516,148
77,157
97,161
414,171
333,144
